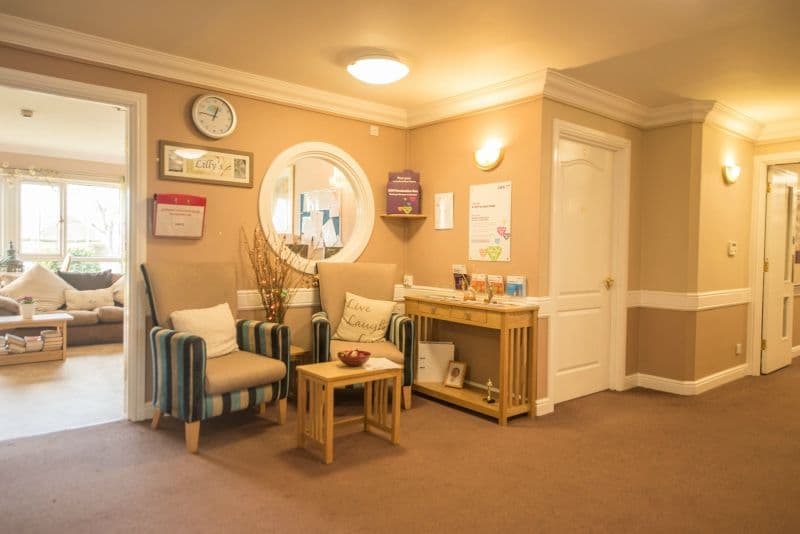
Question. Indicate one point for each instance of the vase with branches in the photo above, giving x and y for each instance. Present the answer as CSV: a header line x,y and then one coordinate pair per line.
x,y
275,276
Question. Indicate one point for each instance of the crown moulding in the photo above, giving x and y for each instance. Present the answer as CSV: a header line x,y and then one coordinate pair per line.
x,y
54,40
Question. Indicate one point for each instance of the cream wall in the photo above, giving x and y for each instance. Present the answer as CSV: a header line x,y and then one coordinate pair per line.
x,y
724,212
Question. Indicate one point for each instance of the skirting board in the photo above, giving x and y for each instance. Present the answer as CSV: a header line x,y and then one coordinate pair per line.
x,y
796,351
686,387
543,406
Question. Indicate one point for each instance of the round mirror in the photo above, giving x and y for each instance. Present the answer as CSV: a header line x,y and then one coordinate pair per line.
x,y
316,204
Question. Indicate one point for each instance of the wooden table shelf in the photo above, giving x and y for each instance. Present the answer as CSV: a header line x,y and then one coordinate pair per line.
x,y
516,352
43,321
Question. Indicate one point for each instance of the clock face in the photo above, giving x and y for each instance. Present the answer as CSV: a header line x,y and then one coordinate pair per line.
x,y
214,116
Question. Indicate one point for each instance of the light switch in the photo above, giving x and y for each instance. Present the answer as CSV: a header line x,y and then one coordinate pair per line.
x,y
374,130
733,248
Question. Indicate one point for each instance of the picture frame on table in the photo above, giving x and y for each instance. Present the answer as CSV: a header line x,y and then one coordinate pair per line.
x,y
217,166
456,373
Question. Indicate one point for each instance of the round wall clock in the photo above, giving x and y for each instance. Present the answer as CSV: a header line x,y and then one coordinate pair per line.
x,y
214,116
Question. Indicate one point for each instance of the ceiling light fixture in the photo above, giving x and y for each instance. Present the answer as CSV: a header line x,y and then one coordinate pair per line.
x,y
378,69
190,153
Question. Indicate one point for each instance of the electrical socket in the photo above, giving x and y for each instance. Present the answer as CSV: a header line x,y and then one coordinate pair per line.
x,y
738,348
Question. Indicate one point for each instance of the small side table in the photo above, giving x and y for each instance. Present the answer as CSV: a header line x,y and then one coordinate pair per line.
x,y
315,386
297,356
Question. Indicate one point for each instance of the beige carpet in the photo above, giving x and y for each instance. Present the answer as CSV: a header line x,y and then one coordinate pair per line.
x,y
640,461
85,389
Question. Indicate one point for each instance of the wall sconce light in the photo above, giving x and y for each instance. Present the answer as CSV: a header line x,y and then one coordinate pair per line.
x,y
489,155
731,173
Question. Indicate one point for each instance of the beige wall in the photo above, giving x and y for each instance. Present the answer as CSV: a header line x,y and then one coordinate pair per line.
x,y
724,212
796,322
666,343
443,154
777,148
718,332
668,206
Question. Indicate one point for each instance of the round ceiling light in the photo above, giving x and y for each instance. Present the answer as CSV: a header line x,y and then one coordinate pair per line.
x,y
378,70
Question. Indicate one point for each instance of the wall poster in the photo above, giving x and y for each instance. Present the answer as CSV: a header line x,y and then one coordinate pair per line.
x,y
490,222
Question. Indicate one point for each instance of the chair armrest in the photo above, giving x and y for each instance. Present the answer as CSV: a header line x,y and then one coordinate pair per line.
x,y
179,373
320,337
401,333
272,340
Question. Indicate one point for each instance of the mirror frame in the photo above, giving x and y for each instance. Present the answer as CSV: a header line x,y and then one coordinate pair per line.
x,y
362,189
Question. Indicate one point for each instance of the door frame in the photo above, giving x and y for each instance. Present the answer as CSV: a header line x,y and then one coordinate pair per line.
x,y
621,149
757,228
135,406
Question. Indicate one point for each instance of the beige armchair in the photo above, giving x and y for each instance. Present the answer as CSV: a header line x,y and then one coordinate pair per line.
x,y
372,281
191,387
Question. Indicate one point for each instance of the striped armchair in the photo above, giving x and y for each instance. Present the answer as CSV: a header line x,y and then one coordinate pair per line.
x,y
191,387
369,280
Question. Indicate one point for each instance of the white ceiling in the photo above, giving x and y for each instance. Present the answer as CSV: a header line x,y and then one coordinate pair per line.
x,y
61,127
745,53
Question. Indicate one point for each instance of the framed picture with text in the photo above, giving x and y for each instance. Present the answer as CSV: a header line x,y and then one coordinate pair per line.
x,y
201,164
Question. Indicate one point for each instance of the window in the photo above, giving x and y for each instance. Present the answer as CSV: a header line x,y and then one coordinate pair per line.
x,y
82,220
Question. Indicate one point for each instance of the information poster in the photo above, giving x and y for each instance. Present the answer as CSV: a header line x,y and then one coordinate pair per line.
x,y
490,222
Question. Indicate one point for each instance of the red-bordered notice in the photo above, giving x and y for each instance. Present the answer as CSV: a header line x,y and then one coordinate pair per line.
x,y
178,216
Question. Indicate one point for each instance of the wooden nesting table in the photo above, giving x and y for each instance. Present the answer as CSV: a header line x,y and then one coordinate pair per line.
x,y
315,385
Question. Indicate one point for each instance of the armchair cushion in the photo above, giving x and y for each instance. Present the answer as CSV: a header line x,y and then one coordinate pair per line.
x,y
379,349
370,280
241,370
364,320
215,325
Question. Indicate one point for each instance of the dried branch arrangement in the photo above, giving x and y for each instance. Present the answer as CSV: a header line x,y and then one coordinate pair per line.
x,y
275,276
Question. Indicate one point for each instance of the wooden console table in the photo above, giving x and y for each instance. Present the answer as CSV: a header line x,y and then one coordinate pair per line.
x,y
516,354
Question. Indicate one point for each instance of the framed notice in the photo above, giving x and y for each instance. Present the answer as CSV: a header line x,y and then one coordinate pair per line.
x,y
179,216
490,222
208,165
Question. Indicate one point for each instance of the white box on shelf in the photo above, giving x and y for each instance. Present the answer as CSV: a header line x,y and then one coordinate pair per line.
x,y
432,361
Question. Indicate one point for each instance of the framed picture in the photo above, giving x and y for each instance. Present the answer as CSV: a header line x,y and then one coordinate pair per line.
x,y
212,166
456,372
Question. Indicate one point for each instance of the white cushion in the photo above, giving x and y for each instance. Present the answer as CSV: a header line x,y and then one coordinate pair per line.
x,y
88,300
215,325
364,319
45,286
119,290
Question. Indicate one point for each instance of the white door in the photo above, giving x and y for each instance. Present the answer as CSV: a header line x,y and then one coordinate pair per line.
x,y
582,279
778,303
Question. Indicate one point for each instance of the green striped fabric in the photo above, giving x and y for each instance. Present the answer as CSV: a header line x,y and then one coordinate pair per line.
x,y
320,337
179,369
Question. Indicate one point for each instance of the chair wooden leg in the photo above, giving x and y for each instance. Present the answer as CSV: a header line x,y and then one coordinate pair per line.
x,y
261,410
192,436
406,397
156,418
282,411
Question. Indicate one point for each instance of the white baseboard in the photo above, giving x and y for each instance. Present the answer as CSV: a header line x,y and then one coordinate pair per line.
x,y
545,406
796,351
631,381
144,413
686,387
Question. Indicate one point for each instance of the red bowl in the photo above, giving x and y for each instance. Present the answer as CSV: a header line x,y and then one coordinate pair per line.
x,y
354,358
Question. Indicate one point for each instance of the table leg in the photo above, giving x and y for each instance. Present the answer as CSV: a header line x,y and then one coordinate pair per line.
x,y
328,423
396,395
367,405
301,410
63,340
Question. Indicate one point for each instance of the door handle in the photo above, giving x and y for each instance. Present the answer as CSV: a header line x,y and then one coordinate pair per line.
x,y
608,282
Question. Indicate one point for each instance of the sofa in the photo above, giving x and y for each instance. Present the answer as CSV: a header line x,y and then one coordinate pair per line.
x,y
103,324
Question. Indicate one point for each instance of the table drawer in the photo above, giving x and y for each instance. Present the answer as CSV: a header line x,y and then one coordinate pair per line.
x,y
474,316
434,309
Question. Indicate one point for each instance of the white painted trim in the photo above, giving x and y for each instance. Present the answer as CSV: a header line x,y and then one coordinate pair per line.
x,y
301,297
524,87
59,41
778,131
757,228
55,40
704,300
687,387
136,211
620,209
362,191
795,351
630,382
545,406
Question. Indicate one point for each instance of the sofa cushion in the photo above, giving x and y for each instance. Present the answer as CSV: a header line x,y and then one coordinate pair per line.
x,y
82,318
241,370
380,349
86,281
45,286
119,290
110,314
364,319
89,299
215,325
